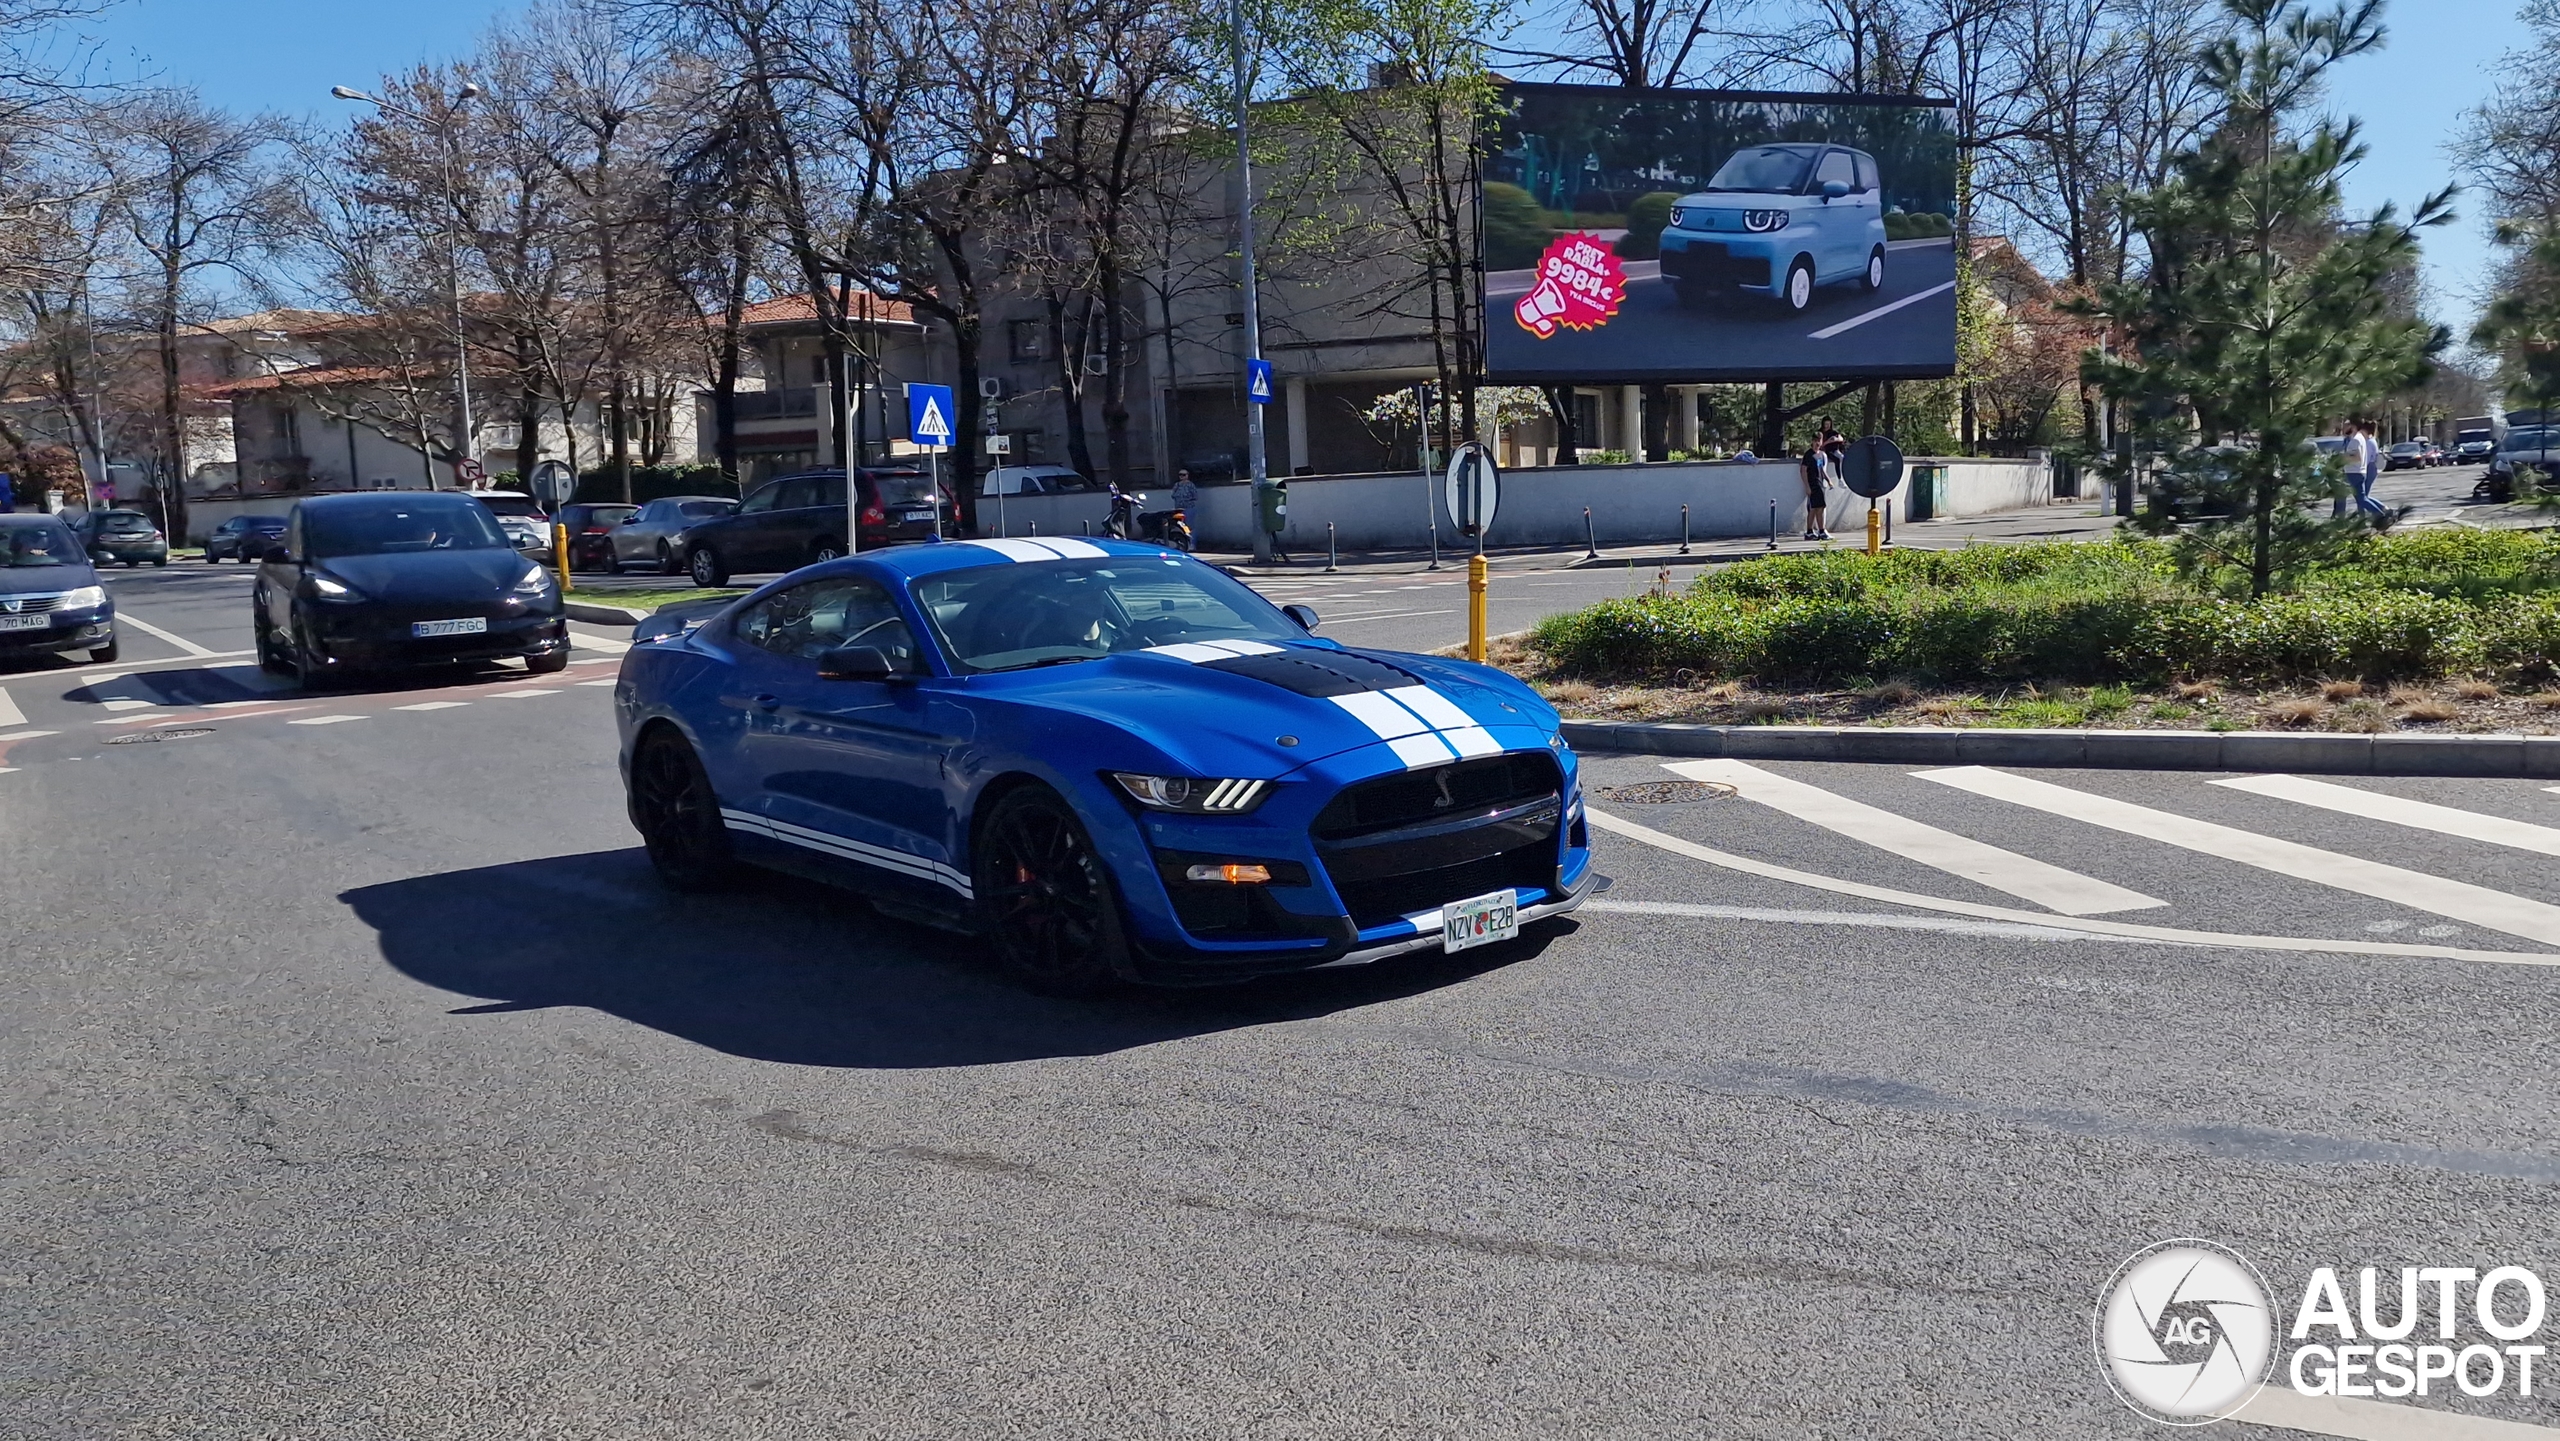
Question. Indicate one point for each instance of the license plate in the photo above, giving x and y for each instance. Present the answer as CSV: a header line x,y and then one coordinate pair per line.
x,y
26,622
469,625
1480,922
915,515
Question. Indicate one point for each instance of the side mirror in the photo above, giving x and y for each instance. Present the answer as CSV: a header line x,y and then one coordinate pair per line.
x,y
1304,615
857,662
1834,189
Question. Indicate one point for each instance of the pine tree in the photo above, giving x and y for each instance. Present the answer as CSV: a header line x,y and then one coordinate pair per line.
x,y
2265,314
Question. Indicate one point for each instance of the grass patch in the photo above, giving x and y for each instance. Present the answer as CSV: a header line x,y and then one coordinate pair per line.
x,y
653,599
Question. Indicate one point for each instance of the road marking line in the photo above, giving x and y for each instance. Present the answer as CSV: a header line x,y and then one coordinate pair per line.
x,y
434,705
326,720
1390,615
27,735
522,694
580,640
8,770
1854,321
121,704
103,677
234,704
2457,900
2282,1406
2025,877
10,715
126,720
1874,920
1767,871
181,642
608,680
2418,815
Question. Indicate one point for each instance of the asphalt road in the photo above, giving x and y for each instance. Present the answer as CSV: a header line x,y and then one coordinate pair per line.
x,y
1906,328
364,1084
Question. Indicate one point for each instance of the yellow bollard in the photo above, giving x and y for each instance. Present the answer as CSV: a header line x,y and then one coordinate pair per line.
x,y
1875,529
1475,607
560,556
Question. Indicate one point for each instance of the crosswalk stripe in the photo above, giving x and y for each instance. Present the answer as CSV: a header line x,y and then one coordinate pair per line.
x,y
326,720
434,705
2025,877
10,715
181,642
2457,900
2417,815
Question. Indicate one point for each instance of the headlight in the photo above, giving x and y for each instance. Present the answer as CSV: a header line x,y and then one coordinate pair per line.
x,y
1761,222
536,581
84,597
1679,218
1192,797
327,589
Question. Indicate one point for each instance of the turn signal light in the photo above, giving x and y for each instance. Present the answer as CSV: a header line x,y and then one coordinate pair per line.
x,y
1232,873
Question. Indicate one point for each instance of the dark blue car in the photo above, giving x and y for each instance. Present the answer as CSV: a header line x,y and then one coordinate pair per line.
x,y
50,598
1114,762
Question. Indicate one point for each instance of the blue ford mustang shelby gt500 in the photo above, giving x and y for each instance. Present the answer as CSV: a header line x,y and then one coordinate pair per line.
x,y
1110,760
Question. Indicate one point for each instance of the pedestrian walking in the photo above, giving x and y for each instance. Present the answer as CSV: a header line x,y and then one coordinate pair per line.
x,y
2368,469
1817,489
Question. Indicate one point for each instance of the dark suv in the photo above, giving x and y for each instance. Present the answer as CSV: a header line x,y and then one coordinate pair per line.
x,y
798,520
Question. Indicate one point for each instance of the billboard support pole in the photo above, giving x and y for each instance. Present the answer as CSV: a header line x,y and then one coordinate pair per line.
x,y
1258,464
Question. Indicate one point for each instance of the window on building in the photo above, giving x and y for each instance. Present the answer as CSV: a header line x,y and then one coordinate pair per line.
x,y
1027,340
1586,421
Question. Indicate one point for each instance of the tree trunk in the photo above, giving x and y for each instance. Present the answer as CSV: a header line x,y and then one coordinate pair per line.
x,y
173,442
1070,388
1560,408
1773,421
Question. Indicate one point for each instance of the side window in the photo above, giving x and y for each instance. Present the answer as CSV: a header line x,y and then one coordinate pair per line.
x,y
761,501
1835,166
829,491
1867,173
807,621
797,494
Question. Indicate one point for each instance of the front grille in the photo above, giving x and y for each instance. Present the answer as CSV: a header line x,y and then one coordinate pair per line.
x,y
29,604
1439,793
1712,264
1419,840
1380,899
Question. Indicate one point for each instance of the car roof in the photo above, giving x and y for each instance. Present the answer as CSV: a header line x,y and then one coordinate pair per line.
x,y
920,558
25,518
350,499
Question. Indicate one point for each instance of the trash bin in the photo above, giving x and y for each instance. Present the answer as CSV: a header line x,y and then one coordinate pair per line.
x,y
1928,491
1275,507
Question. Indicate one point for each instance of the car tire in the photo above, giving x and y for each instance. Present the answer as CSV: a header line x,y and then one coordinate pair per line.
x,y
210,558
270,659
677,814
106,654
824,551
551,664
1796,296
164,560
1045,897
705,567
1871,279
667,564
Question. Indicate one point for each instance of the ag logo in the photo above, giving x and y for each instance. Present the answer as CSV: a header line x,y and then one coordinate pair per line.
x,y
2184,1332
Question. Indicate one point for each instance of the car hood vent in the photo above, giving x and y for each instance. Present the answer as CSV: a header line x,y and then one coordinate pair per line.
x,y
1319,674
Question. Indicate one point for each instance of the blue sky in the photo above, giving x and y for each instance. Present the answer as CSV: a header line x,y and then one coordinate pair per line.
x,y
285,54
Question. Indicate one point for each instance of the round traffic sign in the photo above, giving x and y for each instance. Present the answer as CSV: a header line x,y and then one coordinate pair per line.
x,y
469,471
1473,487
1871,466
553,482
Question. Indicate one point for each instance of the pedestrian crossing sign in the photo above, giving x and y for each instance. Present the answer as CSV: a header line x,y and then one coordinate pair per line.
x,y
929,413
1257,381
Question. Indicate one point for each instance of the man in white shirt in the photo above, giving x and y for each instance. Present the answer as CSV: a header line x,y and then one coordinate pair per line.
x,y
2369,469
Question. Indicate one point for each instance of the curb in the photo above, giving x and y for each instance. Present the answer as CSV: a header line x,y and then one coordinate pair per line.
x,y
594,614
2500,756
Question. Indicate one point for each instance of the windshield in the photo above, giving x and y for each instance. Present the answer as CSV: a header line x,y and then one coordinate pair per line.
x,y
123,520
1005,617
1767,168
2536,439
695,509
26,547
455,524
901,489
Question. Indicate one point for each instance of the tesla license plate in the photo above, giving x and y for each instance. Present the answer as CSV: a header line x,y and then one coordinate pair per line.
x,y
469,625
25,622
1480,922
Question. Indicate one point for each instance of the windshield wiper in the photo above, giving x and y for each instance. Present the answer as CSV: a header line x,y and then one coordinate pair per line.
x,y
1052,660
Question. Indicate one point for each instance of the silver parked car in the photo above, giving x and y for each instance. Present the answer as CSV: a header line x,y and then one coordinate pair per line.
x,y
655,537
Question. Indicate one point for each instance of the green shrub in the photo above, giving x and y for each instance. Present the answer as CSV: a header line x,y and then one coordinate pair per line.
x,y
649,482
1516,231
1646,220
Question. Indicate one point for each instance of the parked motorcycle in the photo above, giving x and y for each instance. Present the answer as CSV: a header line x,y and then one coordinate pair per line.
x,y
1127,522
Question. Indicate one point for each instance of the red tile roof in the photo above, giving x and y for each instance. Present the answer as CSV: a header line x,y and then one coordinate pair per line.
x,y
316,378
798,309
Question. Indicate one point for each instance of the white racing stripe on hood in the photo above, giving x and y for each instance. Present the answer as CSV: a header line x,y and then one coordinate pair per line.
x,y
1196,651
1050,549
1442,714
1422,726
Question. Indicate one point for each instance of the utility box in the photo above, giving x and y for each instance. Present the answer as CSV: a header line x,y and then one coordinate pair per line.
x,y
1274,501
1928,491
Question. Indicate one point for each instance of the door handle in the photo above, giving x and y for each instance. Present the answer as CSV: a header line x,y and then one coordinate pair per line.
x,y
768,702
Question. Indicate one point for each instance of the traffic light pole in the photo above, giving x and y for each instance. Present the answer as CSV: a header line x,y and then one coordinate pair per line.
x,y
1260,466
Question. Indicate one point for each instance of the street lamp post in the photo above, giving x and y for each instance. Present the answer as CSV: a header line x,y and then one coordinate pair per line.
x,y
466,433
1259,466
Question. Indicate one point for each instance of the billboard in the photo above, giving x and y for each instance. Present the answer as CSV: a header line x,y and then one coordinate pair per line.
x,y
1705,235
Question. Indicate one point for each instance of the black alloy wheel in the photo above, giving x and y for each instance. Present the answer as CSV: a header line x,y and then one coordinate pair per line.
x,y
705,567
678,816
667,560
824,551
1046,897
270,658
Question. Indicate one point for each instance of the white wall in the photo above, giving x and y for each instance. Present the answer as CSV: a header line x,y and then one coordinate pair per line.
x,y
1630,505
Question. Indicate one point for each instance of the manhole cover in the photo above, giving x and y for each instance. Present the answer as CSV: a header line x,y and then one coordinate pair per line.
x,y
180,733
1665,793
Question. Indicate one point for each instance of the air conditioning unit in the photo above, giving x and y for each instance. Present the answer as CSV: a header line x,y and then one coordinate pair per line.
x,y
991,387
1097,364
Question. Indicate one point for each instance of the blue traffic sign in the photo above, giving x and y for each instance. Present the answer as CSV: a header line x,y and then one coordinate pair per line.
x,y
1257,381
930,416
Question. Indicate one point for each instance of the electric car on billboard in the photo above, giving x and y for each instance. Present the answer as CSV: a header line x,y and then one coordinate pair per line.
x,y
1717,235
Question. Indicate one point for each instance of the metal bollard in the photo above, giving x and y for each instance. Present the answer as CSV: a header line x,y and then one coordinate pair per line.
x,y
560,553
1475,606
1773,522
1684,530
1088,528
1332,559
1590,546
1035,527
